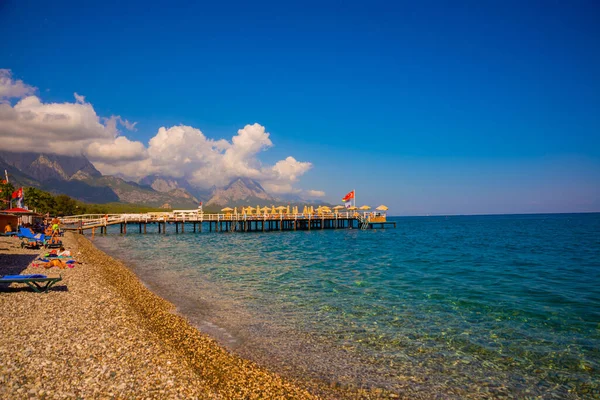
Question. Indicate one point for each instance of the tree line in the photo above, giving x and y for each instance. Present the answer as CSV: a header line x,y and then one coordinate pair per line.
x,y
43,202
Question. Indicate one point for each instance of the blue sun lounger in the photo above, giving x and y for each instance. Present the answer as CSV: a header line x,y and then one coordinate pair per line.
x,y
29,239
36,281
32,240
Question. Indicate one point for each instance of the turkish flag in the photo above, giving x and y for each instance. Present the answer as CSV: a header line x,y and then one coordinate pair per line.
x,y
17,194
348,196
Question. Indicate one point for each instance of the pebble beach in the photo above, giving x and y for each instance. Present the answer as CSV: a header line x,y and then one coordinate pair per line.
x,y
99,333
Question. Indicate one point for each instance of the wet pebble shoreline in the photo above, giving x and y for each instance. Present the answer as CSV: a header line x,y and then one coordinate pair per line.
x,y
99,333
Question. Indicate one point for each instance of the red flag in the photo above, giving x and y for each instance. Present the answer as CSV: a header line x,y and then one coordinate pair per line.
x,y
17,194
348,196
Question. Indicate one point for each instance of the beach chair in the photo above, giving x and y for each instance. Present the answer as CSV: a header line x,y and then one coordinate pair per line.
x,y
29,239
39,283
48,243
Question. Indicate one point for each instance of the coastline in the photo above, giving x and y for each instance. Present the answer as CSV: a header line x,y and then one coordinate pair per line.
x,y
100,332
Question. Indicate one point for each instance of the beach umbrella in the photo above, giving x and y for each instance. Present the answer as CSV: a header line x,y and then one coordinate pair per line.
x,y
287,209
258,209
304,210
273,210
353,208
338,207
365,208
382,208
227,209
235,210
280,209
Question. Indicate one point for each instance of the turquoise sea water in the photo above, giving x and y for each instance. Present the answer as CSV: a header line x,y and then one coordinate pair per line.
x,y
461,306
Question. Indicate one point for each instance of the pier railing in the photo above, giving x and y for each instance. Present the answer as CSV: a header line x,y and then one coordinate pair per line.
x,y
226,221
109,219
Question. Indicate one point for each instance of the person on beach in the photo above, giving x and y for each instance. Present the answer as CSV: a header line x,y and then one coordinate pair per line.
x,y
56,262
55,225
54,239
63,253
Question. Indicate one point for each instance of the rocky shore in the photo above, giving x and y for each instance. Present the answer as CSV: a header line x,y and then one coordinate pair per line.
x,y
99,333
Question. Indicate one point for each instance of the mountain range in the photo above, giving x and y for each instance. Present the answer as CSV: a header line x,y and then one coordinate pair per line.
x,y
77,177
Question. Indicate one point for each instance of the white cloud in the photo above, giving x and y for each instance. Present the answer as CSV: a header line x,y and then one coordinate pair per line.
x,y
179,151
315,193
120,150
80,99
279,187
60,128
290,169
111,123
10,88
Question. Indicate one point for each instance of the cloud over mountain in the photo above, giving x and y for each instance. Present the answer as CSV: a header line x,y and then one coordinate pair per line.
x,y
10,88
177,151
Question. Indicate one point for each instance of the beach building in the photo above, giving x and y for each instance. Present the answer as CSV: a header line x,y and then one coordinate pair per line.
x,y
19,216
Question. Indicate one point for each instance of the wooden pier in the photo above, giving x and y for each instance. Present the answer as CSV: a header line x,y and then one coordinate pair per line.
x,y
197,222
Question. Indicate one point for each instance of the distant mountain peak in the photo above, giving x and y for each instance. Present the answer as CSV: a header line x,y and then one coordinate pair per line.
x,y
43,167
241,191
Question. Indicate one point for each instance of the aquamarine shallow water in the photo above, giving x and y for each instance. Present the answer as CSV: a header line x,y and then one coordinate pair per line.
x,y
461,306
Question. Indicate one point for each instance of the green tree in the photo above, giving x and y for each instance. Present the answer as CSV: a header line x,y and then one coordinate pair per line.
x,y
39,200
6,191
64,205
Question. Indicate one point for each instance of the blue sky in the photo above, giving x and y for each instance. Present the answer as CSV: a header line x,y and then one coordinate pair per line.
x,y
428,107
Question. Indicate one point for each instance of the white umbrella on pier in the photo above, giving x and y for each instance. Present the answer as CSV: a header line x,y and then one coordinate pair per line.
x,y
364,208
382,208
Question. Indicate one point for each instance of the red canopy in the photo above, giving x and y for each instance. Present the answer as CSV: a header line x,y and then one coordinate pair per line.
x,y
18,210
